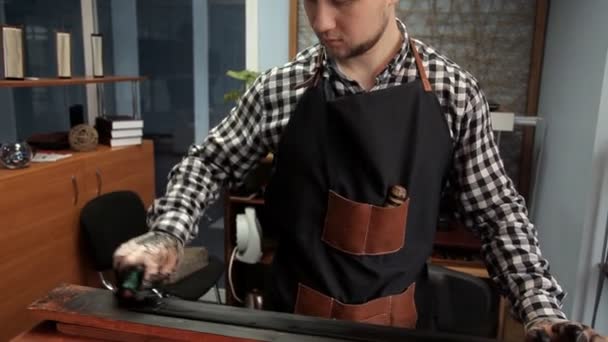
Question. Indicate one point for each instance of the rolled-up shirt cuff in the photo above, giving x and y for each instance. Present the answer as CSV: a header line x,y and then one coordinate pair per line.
x,y
541,307
175,224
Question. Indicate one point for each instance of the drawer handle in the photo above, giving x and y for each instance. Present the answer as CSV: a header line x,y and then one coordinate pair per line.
x,y
99,181
75,186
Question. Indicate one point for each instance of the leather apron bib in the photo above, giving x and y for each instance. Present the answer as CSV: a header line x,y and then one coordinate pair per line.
x,y
342,254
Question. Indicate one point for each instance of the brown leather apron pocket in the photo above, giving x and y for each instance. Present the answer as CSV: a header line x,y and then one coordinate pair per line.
x,y
397,310
364,229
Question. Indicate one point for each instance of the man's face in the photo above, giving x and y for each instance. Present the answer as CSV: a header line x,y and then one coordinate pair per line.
x,y
348,28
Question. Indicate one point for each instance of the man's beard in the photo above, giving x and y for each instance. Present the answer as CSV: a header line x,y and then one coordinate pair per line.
x,y
363,47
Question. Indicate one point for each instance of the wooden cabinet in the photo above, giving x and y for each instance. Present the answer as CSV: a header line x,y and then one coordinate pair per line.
x,y
39,222
122,169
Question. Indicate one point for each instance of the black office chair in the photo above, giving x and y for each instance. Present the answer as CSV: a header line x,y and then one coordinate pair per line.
x,y
113,218
464,304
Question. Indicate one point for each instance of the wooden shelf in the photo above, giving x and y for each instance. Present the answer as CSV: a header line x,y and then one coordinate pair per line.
x,y
52,82
475,268
267,257
457,237
247,200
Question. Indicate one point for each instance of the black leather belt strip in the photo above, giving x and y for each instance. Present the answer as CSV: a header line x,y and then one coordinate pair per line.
x,y
295,324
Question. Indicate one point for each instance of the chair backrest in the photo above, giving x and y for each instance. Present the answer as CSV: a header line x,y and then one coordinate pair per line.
x,y
464,304
109,220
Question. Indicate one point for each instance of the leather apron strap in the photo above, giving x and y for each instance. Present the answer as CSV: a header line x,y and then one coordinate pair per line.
x,y
425,81
314,79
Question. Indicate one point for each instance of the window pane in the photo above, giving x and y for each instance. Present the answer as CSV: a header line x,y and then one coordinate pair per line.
x,y
165,55
226,52
156,38
42,110
104,23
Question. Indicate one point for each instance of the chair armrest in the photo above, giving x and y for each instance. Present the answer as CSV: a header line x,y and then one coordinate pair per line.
x,y
194,259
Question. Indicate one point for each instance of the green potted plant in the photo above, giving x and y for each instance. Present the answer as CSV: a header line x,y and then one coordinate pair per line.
x,y
247,76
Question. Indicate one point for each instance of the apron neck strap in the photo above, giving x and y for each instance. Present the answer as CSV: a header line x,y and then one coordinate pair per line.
x,y
420,67
314,80
318,73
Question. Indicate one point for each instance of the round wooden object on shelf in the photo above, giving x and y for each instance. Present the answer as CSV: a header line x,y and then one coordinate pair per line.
x,y
83,138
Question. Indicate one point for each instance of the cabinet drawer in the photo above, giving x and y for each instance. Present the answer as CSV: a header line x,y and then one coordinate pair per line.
x,y
39,196
129,168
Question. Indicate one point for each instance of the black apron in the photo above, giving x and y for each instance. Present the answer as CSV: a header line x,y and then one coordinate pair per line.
x,y
336,161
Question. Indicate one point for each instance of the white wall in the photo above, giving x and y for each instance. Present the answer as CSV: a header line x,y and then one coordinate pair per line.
x,y
595,233
200,13
273,41
267,33
572,101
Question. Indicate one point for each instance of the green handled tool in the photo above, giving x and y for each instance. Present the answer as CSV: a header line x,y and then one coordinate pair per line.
x,y
129,282
129,289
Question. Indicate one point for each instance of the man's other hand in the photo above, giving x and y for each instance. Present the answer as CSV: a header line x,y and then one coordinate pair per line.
x,y
562,331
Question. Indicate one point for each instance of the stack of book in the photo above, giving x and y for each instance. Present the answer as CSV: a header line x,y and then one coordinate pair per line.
x,y
119,130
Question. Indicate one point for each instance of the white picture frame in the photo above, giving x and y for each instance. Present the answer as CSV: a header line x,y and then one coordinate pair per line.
x,y
97,51
12,52
63,44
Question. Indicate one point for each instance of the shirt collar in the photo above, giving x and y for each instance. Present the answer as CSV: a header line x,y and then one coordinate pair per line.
x,y
394,65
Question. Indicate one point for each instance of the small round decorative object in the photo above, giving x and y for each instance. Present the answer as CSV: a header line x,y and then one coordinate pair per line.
x,y
83,138
15,155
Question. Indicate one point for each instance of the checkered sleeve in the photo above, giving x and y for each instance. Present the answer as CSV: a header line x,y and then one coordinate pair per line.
x,y
491,207
224,158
